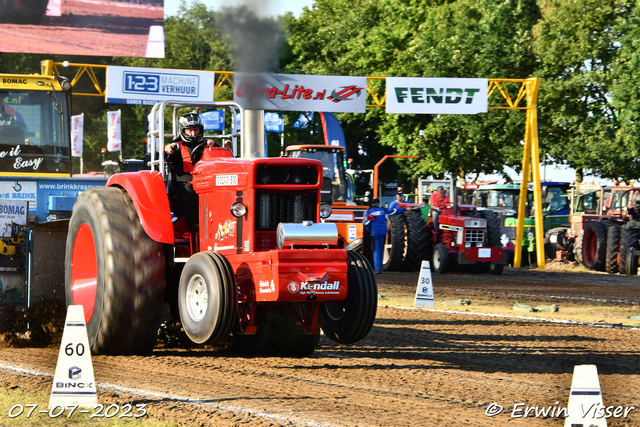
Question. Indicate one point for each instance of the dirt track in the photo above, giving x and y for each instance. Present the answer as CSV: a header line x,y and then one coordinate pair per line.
x,y
416,368
86,27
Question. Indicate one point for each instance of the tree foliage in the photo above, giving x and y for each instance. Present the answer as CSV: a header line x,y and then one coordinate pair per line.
x,y
463,38
577,43
584,51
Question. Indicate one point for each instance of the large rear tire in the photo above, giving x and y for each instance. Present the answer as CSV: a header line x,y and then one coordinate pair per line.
x,y
629,241
395,244
351,321
115,271
613,249
418,241
206,298
594,245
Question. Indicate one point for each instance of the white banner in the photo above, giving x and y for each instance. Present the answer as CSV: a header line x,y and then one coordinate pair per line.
x,y
114,140
12,211
77,134
297,92
146,86
421,95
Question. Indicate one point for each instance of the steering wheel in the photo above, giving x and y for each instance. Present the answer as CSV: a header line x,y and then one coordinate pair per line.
x,y
195,150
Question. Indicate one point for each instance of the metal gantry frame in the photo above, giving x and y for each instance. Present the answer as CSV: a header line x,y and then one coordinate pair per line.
x,y
527,94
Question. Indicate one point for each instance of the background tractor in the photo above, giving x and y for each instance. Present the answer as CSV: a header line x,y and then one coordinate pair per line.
x,y
339,191
262,264
466,237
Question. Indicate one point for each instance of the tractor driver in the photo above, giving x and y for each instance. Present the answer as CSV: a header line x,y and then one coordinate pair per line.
x,y
438,201
183,153
634,213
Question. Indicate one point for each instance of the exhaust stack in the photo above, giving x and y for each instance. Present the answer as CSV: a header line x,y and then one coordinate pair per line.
x,y
253,134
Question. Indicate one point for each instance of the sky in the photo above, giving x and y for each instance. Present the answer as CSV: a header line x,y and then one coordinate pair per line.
x,y
269,7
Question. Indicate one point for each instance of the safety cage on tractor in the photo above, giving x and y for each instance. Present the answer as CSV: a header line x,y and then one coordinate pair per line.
x,y
261,264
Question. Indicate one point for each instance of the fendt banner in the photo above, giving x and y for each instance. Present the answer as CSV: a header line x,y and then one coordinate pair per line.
x,y
146,86
423,95
297,92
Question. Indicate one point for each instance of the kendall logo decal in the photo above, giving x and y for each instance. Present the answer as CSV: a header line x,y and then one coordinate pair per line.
x,y
293,287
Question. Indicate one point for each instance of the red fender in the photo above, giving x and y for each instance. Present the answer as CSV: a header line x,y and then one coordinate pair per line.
x,y
149,195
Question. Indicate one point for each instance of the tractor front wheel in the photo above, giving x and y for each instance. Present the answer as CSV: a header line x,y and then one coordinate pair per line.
x,y
115,271
206,298
440,259
350,321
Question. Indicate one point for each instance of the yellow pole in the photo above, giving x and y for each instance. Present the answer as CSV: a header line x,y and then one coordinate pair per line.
x,y
532,121
522,205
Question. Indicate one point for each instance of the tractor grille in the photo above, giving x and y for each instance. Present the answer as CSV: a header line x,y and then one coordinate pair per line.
x,y
473,235
278,174
274,207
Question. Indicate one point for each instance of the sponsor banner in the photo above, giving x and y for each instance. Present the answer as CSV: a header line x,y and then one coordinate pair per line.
x,y
146,86
421,95
297,92
114,140
273,122
12,211
77,134
213,120
18,190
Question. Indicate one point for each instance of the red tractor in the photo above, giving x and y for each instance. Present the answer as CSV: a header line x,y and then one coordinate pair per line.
x,y
466,236
262,264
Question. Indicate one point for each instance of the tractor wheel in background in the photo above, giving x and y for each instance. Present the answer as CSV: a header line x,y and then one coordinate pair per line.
x,y
629,240
395,244
206,298
613,248
440,259
279,333
493,239
495,269
418,241
350,321
577,247
594,245
115,271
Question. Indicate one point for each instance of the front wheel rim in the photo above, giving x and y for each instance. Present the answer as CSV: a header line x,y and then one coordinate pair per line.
x,y
197,298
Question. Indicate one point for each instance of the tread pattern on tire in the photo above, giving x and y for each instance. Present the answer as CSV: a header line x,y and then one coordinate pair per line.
x,y
600,253
613,248
418,241
628,239
133,268
397,239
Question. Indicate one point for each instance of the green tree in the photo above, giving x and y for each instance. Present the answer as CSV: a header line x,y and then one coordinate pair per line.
x,y
577,43
461,38
625,93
